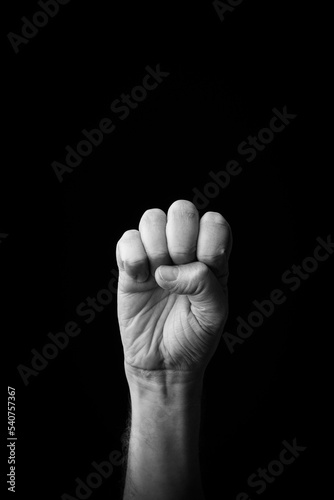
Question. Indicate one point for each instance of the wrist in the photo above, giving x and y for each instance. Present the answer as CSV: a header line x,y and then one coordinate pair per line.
x,y
165,424
175,389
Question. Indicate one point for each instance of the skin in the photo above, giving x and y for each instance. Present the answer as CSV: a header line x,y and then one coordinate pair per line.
x,y
170,329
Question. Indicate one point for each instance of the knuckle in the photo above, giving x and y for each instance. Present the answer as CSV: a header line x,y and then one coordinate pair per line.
x,y
153,215
129,235
185,208
215,218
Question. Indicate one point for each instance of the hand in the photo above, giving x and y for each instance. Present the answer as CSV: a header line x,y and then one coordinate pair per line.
x,y
172,291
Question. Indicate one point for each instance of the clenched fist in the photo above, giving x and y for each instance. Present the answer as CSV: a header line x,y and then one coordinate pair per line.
x,y
172,291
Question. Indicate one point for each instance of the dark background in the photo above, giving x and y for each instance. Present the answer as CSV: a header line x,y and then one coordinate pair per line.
x,y
225,79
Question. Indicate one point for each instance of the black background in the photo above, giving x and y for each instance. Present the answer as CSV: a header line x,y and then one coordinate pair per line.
x,y
225,79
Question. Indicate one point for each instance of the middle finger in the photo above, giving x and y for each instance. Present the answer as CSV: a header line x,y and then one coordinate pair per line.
x,y
182,231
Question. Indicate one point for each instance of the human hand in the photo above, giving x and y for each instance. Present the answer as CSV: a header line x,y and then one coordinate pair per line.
x,y
172,291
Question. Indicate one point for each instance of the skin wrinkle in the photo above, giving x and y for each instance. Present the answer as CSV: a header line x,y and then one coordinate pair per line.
x,y
154,304
191,250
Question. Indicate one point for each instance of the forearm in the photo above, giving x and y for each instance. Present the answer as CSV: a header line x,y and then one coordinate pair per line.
x,y
163,462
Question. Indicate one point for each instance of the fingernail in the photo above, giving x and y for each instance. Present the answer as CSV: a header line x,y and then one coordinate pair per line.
x,y
142,277
169,273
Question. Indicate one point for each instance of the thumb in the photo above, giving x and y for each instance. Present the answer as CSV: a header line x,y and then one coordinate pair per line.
x,y
205,293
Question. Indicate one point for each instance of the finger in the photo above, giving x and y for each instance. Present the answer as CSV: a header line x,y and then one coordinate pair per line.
x,y
131,256
214,244
181,231
152,228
